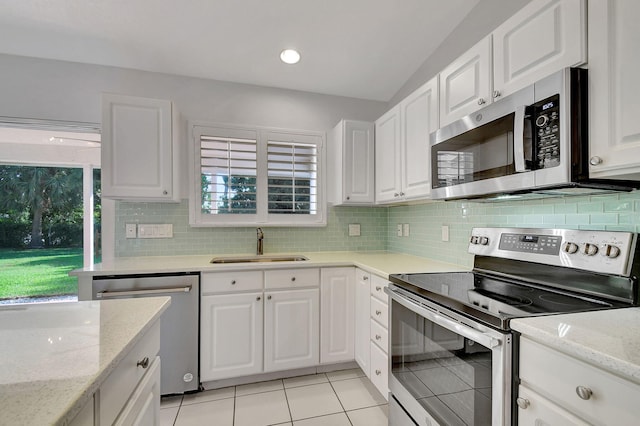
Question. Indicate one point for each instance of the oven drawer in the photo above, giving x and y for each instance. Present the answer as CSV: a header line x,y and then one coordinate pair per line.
x,y
380,370
377,288
558,377
380,336
380,312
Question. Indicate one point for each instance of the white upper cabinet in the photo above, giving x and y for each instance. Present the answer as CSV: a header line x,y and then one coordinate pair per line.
x,y
541,38
351,156
388,156
418,118
614,89
403,168
138,149
465,85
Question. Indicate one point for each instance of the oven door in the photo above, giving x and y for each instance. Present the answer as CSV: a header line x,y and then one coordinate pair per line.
x,y
446,369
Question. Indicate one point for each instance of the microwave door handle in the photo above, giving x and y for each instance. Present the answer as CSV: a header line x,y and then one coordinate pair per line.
x,y
518,140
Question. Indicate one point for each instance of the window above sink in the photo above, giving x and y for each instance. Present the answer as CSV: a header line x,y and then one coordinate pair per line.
x,y
249,175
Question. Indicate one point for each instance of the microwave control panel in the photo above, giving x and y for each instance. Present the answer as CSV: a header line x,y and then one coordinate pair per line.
x,y
546,128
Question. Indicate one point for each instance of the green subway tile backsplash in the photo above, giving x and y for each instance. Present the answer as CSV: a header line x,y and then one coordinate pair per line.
x,y
619,212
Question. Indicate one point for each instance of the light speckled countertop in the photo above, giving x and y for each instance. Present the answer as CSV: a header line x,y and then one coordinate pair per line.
x,y
54,356
608,339
379,263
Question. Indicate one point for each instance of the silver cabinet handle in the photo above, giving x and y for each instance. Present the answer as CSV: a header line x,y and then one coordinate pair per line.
x,y
348,198
378,312
481,101
378,288
496,94
258,298
396,194
523,403
378,372
595,160
164,192
402,194
584,392
269,297
364,278
378,337
293,278
144,363
233,282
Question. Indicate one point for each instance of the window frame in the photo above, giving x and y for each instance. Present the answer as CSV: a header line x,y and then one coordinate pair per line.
x,y
262,135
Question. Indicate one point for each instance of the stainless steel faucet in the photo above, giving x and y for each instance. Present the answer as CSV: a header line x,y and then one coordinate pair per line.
x,y
260,237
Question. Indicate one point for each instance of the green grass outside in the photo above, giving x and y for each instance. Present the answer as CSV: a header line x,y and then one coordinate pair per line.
x,y
38,272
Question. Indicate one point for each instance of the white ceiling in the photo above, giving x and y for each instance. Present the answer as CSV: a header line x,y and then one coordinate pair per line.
x,y
359,48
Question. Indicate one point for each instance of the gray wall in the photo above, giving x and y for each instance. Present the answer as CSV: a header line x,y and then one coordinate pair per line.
x,y
478,23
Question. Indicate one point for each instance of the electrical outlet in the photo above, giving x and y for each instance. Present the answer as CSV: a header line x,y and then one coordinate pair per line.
x,y
130,230
354,229
405,230
445,233
399,230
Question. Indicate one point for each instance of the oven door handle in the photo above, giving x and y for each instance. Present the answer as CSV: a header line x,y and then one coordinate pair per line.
x,y
436,317
518,140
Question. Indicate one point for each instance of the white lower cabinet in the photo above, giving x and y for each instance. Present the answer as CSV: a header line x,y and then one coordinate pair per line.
x,y
362,320
291,329
337,314
558,389
379,334
231,335
143,408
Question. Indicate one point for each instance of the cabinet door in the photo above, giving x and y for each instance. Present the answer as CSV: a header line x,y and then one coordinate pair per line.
x,y
536,410
137,152
143,408
337,306
388,156
419,117
465,85
358,163
363,318
614,89
292,329
230,335
541,38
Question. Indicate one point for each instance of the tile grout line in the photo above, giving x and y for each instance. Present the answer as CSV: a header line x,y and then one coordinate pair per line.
x,y
342,405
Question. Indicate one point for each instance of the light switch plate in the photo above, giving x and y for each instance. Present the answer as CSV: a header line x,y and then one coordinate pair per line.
x,y
155,230
445,233
405,230
354,229
399,230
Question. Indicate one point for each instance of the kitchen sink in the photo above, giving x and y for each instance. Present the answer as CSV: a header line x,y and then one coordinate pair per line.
x,y
258,259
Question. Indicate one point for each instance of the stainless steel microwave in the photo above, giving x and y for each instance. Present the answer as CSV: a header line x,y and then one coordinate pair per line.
x,y
531,143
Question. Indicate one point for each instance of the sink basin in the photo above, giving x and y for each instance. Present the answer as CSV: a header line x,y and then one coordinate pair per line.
x,y
258,259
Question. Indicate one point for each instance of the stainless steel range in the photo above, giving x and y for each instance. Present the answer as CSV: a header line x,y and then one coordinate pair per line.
x,y
453,354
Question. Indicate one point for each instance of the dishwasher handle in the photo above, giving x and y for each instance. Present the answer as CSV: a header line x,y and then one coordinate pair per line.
x,y
146,292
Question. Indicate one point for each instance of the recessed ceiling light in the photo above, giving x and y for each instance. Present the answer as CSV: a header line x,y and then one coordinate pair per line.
x,y
290,56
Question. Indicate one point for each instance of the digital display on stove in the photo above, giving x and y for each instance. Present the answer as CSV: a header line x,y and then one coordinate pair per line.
x,y
529,243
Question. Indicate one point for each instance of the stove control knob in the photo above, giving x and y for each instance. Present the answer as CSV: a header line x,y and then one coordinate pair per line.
x,y
483,241
611,251
570,247
590,249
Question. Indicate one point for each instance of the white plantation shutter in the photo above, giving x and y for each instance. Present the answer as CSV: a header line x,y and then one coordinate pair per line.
x,y
228,168
292,171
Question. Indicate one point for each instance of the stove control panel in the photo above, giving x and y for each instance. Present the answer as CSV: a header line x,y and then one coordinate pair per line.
x,y
608,252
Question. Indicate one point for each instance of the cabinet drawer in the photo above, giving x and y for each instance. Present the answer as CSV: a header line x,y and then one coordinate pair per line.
x,y
557,376
292,278
225,282
380,336
380,312
380,370
116,390
144,405
377,288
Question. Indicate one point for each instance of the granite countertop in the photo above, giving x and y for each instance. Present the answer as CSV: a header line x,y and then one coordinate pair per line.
x,y
54,356
379,263
608,339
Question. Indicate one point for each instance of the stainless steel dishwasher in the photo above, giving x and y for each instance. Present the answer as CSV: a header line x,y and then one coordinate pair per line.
x,y
178,325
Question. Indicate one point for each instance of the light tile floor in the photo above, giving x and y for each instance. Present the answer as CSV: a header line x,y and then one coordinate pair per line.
x,y
340,398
